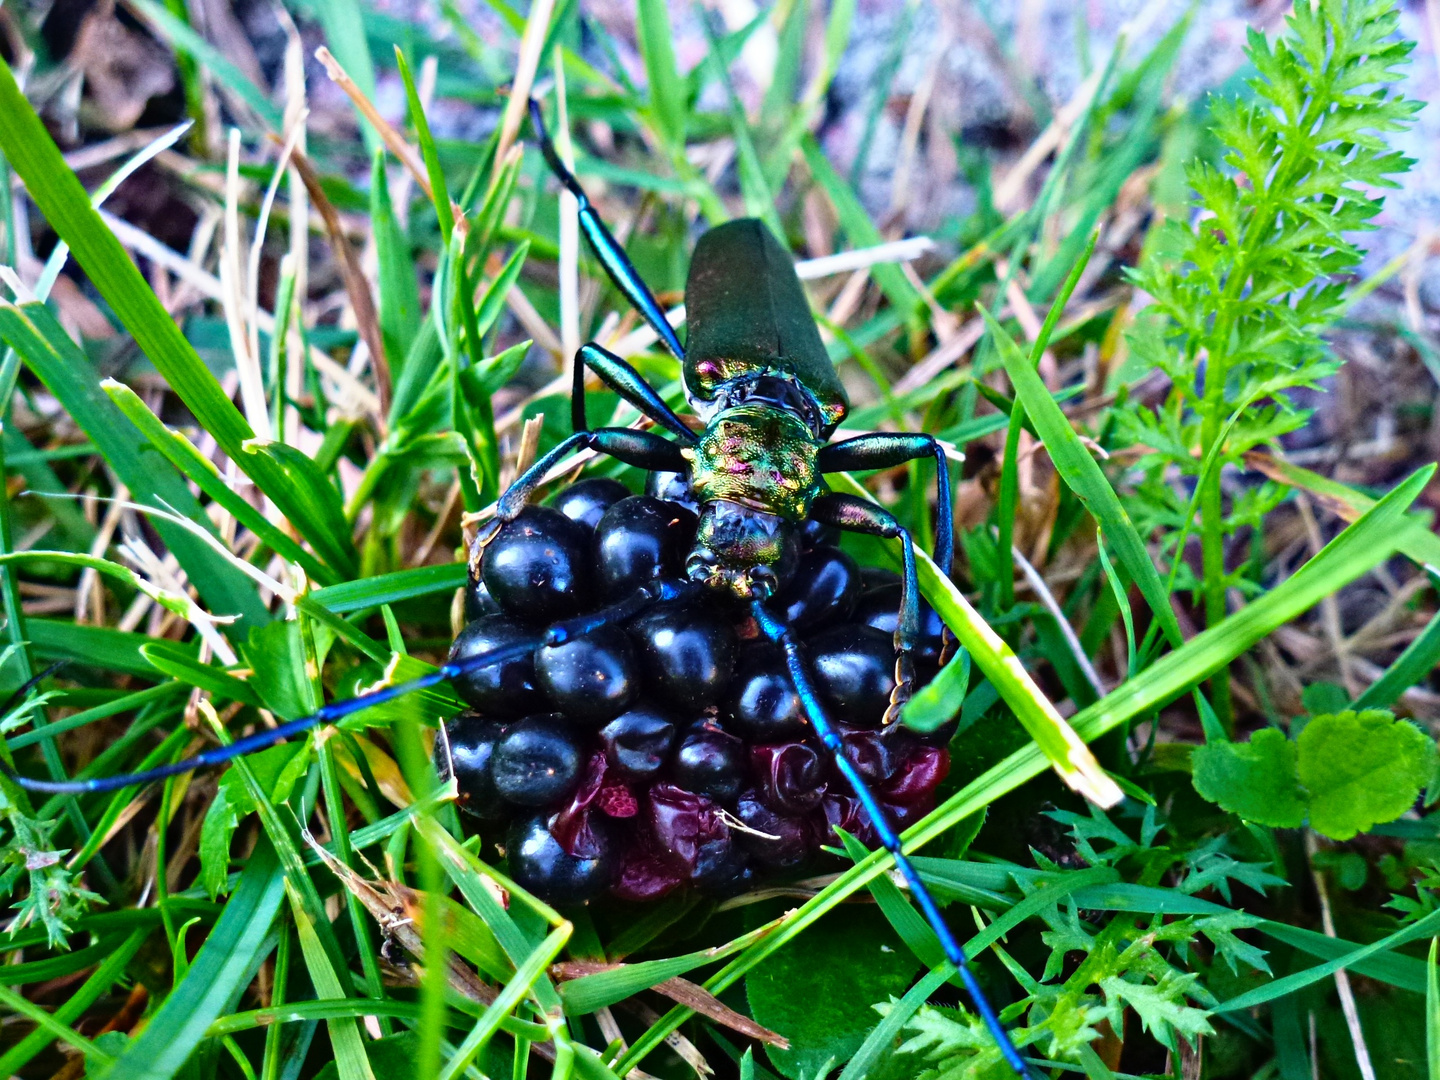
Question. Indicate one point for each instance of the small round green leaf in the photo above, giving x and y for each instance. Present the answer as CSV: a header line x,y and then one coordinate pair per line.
x,y
1361,769
1257,780
818,991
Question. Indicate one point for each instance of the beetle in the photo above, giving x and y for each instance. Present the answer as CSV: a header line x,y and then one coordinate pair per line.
x,y
758,377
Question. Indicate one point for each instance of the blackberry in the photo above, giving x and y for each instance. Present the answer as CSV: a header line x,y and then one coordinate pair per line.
x,y
671,750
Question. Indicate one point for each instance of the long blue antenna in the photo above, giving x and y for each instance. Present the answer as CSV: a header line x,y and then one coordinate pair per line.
x,y
778,632
648,594
607,249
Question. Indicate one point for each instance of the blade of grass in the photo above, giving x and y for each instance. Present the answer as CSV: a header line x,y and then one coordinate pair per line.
x,y
32,331
521,985
1418,543
1057,740
184,39
350,1058
1077,467
54,1027
859,229
344,25
220,971
1010,466
58,194
667,89
759,200
1410,668
181,453
399,292
77,1003
1432,1012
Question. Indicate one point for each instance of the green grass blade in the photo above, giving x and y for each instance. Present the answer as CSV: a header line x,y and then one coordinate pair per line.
x,y
1057,740
1432,1012
66,206
350,1057
32,331
1419,659
399,293
667,88
859,229
521,985
344,24
444,212
317,513
220,971
1418,542
882,1039
759,200
352,596
1362,546
56,1029
180,663
79,1001
181,453
1430,924
1078,469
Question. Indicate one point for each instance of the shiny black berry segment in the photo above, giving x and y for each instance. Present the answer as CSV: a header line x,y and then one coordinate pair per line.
x,y
710,762
586,502
540,864
763,705
590,679
823,590
537,762
478,601
855,672
470,741
504,690
537,566
879,607
687,653
637,743
638,540
667,749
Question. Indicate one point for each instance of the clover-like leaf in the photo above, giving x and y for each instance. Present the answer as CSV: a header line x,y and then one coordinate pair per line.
x,y
1361,769
1257,780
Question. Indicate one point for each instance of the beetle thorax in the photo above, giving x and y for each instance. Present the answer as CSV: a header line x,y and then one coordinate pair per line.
x,y
757,456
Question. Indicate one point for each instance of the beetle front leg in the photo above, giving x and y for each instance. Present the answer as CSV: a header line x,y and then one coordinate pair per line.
x,y
885,450
856,515
625,381
643,449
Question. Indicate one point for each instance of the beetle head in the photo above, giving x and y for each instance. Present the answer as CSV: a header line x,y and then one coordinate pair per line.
x,y
743,551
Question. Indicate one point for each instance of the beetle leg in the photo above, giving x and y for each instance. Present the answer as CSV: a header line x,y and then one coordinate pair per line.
x,y
617,264
625,381
856,515
643,449
885,450
782,635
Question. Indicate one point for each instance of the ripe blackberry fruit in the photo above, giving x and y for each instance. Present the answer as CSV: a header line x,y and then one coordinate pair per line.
x,y
672,751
